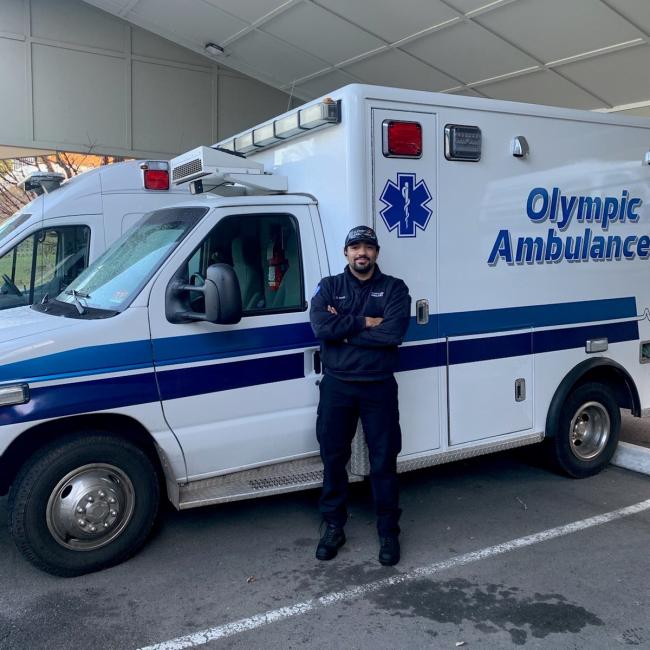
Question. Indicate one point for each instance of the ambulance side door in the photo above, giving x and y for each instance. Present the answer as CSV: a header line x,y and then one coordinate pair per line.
x,y
405,219
243,395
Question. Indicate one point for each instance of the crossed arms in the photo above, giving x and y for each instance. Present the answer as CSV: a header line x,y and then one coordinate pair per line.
x,y
364,331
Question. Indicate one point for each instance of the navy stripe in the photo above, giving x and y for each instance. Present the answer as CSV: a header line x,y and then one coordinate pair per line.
x,y
101,394
116,357
233,343
47,402
576,337
513,318
122,357
416,357
186,382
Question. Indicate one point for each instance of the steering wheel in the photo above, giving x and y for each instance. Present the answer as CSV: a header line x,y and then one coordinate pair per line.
x,y
197,280
11,286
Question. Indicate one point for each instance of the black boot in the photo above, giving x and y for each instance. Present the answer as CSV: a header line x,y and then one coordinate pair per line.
x,y
388,550
330,543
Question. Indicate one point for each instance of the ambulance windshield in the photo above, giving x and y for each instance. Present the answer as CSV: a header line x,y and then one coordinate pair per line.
x,y
113,280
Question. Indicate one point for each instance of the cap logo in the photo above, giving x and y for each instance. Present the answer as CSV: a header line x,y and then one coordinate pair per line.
x,y
361,233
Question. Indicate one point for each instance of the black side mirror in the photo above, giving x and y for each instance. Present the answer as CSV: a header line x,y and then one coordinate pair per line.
x,y
221,294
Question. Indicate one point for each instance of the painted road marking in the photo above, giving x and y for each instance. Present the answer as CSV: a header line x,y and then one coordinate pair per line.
x,y
353,593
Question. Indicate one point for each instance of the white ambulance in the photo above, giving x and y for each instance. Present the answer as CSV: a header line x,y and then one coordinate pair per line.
x,y
46,244
182,361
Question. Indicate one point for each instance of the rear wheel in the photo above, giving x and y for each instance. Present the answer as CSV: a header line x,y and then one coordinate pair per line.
x,y
83,503
586,433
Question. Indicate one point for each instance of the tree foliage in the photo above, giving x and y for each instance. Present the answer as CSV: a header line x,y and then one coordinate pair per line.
x,y
14,171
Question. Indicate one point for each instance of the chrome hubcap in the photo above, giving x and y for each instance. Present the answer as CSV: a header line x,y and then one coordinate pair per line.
x,y
90,507
590,429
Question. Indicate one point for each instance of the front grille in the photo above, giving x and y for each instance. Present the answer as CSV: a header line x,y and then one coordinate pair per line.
x,y
187,169
290,479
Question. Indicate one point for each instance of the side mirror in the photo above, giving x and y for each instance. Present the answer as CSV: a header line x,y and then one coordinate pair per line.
x,y
221,294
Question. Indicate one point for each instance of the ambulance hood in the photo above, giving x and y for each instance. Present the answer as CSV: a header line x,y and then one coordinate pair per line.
x,y
26,333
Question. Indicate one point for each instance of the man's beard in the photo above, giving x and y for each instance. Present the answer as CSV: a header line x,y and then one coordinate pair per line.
x,y
365,268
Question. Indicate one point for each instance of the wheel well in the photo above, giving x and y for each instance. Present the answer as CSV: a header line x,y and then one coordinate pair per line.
x,y
600,370
33,439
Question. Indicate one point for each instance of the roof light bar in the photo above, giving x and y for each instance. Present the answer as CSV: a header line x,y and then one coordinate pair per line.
x,y
265,135
297,123
244,143
288,126
319,114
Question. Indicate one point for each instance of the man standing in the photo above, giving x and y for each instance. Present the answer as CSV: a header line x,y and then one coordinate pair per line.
x,y
360,317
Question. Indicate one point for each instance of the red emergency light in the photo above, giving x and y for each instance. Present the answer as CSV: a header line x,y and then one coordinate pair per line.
x,y
155,174
402,139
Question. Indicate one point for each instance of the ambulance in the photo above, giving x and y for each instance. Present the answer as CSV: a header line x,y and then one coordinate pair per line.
x,y
181,363
46,244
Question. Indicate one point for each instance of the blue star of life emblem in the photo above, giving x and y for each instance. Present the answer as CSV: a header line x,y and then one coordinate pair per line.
x,y
406,207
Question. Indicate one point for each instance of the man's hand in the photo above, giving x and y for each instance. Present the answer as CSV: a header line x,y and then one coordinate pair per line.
x,y
332,310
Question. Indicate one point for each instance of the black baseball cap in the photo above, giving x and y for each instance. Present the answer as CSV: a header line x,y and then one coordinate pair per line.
x,y
362,233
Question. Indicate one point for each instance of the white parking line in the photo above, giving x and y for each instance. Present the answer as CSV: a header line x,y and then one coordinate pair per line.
x,y
275,615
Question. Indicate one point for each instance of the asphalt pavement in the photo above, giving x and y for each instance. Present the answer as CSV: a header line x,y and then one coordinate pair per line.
x,y
498,552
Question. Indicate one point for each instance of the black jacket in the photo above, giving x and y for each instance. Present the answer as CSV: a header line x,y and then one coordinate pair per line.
x,y
349,350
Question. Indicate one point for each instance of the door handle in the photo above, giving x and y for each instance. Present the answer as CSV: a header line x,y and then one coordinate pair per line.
x,y
313,365
422,311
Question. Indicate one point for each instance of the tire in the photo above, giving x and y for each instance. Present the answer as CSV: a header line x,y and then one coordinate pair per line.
x,y
83,503
586,432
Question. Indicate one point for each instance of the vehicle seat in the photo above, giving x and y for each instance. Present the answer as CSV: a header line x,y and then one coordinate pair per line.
x,y
244,257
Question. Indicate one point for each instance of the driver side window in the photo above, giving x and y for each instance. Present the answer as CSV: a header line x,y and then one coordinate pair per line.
x,y
16,272
264,251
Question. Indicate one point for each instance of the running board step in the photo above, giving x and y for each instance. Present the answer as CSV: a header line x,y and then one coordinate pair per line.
x,y
262,481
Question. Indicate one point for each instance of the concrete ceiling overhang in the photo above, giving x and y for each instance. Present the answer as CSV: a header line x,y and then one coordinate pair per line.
x,y
7,152
591,54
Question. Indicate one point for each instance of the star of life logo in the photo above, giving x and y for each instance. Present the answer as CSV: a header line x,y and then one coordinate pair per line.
x,y
406,207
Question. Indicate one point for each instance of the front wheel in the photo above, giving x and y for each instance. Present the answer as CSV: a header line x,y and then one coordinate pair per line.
x,y
83,503
586,433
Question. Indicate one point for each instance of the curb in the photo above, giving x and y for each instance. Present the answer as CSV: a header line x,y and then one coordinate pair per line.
x,y
632,457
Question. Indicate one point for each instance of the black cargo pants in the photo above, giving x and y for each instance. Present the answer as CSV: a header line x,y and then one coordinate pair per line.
x,y
341,404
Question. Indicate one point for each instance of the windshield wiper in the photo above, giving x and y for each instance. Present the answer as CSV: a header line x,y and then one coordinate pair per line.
x,y
77,303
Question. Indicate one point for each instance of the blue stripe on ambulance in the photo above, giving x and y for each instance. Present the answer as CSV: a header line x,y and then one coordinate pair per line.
x,y
415,357
47,402
114,392
80,362
512,318
132,355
